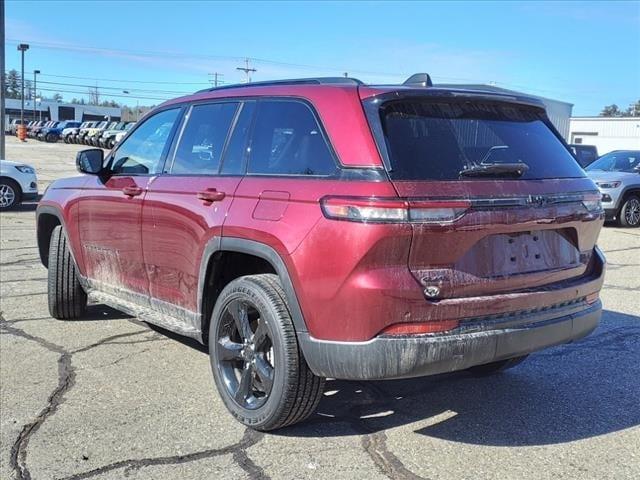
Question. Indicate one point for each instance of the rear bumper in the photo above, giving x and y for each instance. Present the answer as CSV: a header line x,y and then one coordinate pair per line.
x,y
403,357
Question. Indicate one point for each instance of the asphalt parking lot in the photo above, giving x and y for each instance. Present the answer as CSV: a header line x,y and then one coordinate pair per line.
x,y
110,397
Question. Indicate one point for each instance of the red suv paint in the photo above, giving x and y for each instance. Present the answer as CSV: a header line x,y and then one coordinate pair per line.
x,y
322,228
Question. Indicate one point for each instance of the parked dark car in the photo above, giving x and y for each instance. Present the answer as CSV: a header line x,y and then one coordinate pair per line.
x,y
320,228
585,154
53,133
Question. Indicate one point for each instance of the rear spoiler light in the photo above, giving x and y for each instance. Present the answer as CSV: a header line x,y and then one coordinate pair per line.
x,y
387,210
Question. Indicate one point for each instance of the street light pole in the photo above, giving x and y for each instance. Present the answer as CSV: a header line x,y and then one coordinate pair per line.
x,y
23,47
35,93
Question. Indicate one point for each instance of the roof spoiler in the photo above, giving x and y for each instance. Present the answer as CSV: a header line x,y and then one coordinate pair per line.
x,y
419,80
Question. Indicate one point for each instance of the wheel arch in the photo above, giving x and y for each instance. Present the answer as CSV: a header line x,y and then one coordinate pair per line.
x,y
269,262
5,177
47,218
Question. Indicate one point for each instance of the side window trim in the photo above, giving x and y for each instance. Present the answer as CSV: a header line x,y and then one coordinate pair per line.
x,y
320,125
168,165
245,153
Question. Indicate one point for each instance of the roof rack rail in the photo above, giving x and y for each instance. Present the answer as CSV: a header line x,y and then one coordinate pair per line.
x,y
297,81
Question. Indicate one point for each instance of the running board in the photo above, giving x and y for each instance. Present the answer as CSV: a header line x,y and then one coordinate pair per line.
x,y
150,310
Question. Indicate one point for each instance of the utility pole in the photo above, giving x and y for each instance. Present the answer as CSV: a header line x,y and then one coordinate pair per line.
x,y
2,81
247,70
215,76
23,47
35,92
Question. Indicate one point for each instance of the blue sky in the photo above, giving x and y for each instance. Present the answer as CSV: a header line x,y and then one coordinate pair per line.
x,y
586,53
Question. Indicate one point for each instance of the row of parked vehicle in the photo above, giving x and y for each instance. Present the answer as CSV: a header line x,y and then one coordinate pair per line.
x,y
97,134
102,134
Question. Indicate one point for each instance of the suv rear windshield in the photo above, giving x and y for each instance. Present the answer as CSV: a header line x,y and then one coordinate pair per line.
x,y
430,139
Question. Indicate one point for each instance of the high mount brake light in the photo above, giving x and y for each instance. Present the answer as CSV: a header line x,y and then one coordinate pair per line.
x,y
385,210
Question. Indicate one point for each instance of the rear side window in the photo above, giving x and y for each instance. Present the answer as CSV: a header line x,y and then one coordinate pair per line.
x,y
287,140
434,140
203,139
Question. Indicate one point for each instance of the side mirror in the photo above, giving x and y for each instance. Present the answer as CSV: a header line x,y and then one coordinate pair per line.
x,y
90,161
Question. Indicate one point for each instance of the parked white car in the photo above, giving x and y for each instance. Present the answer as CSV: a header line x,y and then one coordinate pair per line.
x,y
18,182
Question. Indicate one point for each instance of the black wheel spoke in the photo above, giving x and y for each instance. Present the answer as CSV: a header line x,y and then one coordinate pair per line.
x,y
261,333
229,350
264,371
240,316
245,384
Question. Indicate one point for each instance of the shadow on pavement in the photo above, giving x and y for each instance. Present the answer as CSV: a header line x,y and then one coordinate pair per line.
x,y
563,394
566,393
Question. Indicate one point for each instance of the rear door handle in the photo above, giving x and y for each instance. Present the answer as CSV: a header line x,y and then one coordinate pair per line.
x,y
132,191
211,195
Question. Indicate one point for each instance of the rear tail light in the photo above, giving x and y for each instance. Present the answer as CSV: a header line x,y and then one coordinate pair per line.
x,y
420,328
592,298
592,202
381,210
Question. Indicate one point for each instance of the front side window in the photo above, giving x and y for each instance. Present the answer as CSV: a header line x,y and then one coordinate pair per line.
x,y
203,139
142,151
442,140
287,140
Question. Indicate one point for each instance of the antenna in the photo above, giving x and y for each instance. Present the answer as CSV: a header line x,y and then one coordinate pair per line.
x,y
419,79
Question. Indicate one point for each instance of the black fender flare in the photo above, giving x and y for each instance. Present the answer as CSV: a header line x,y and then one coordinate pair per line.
x,y
53,211
258,249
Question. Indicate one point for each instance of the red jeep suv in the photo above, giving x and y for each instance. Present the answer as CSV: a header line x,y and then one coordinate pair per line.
x,y
318,228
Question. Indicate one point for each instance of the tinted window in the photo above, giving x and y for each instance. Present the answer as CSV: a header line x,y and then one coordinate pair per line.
x,y
234,156
287,140
621,161
142,151
584,155
203,139
429,140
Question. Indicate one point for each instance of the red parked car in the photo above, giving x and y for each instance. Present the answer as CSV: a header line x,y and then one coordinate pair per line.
x,y
320,228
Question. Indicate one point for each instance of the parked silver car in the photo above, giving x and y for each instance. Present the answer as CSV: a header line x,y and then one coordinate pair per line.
x,y
617,175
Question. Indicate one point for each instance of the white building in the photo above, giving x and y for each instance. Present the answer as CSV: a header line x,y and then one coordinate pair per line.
x,y
606,133
50,110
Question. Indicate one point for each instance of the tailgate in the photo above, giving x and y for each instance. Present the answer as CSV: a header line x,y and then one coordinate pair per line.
x,y
529,236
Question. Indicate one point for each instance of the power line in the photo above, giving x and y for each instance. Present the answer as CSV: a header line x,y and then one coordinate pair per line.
x,y
142,90
108,95
121,80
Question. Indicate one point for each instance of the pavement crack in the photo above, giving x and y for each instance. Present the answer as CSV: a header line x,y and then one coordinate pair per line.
x,y
66,380
375,444
110,340
247,441
250,438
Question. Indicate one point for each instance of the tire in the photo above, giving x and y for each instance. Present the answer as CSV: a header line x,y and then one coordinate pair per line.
x,y
630,212
495,367
10,194
112,143
67,298
65,139
50,138
280,389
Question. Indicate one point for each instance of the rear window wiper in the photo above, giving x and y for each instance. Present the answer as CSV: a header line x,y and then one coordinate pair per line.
x,y
495,170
